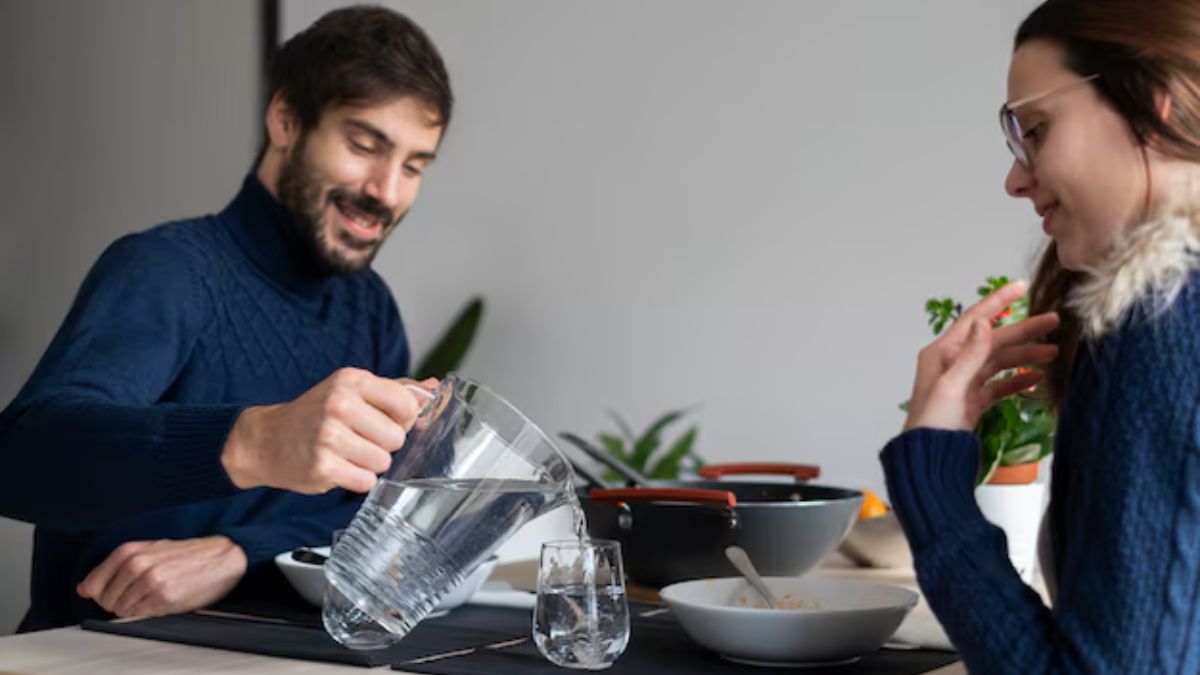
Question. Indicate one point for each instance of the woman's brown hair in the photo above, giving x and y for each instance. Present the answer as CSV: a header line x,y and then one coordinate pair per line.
x,y
1144,51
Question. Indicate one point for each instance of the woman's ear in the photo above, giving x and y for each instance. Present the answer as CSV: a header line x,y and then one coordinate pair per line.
x,y
283,126
1162,104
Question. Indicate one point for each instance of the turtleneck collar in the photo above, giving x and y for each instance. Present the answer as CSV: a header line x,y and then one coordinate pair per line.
x,y
268,236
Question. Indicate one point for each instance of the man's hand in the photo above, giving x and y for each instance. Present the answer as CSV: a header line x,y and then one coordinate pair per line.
x,y
152,578
340,433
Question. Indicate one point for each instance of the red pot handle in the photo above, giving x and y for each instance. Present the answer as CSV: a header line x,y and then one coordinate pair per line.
x,y
642,494
801,472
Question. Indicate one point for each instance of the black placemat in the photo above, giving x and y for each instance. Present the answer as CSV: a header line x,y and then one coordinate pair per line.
x,y
658,645
471,640
297,633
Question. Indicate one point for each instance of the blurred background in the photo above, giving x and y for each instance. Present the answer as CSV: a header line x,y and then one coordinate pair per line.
x,y
739,208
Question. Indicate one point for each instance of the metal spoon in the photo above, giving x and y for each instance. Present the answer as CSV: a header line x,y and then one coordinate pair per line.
x,y
741,561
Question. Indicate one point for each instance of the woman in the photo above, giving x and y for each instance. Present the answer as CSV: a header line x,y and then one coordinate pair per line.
x,y
1103,119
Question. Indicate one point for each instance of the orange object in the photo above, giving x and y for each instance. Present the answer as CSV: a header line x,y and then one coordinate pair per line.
x,y
872,506
801,472
720,497
1021,474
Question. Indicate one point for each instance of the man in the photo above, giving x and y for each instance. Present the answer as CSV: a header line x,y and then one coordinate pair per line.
x,y
211,369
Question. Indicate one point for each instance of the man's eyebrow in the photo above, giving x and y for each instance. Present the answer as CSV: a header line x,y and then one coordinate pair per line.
x,y
372,131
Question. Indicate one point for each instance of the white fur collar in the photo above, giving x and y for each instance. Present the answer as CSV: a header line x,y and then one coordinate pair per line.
x,y
1146,270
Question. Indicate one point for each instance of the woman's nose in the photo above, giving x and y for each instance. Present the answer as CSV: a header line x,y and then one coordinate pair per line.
x,y
1019,182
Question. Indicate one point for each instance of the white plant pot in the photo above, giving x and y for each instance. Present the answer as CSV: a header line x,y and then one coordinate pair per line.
x,y
1016,509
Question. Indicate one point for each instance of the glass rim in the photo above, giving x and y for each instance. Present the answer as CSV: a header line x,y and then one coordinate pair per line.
x,y
580,544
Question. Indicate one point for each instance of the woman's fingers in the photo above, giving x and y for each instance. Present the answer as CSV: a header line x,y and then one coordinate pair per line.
x,y
973,356
998,390
1031,329
1008,358
995,303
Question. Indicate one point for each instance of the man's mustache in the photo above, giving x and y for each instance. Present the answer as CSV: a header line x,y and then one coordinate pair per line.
x,y
363,203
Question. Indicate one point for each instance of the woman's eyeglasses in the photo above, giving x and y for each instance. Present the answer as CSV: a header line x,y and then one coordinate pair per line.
x,y
1011,126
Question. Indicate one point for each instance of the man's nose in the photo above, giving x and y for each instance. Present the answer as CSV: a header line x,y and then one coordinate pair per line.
x,y
386,186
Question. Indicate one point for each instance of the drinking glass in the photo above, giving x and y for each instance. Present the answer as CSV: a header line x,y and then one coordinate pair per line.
x,y
581,619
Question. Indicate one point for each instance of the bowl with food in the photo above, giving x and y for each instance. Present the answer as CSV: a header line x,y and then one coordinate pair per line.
x,y
816,621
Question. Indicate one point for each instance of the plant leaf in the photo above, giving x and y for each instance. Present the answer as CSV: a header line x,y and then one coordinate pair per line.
x,y
987,467
449,351
649,442
668,466
1021,455
614,446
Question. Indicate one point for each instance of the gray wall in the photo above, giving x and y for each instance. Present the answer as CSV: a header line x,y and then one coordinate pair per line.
x,y
738,205
116,115
741,205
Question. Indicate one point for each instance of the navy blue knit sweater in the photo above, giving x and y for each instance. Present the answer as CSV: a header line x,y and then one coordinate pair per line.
x,y
118,433
1124,517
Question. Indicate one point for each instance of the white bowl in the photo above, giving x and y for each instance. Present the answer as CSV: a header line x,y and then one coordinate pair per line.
x,y
309,580
837,621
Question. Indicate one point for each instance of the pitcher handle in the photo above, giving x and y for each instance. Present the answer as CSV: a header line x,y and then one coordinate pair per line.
x,y
430,397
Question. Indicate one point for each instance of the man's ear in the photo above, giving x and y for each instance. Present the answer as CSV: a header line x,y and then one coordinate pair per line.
x,y
283,125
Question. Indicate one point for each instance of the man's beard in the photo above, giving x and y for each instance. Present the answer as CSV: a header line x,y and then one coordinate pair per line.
x,y
300,196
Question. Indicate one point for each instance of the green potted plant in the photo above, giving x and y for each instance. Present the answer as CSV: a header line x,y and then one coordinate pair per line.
x,y
649,453
1017,433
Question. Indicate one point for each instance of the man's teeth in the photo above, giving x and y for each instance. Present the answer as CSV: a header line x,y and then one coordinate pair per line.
x,y
364,221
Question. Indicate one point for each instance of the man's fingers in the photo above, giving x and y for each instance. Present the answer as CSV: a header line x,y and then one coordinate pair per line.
x,y
362,453
394,399
378,429
126,576
351,477
133,596
97,580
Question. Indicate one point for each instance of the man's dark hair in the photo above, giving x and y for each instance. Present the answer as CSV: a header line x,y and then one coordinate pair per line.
x,y
360,55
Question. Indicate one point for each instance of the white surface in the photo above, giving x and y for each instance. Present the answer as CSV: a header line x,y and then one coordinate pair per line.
x,y
1016,509
309,580
70,651
852,618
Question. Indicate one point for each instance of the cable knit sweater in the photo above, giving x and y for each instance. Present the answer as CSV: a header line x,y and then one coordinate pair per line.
x,y
117,435
1124,513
